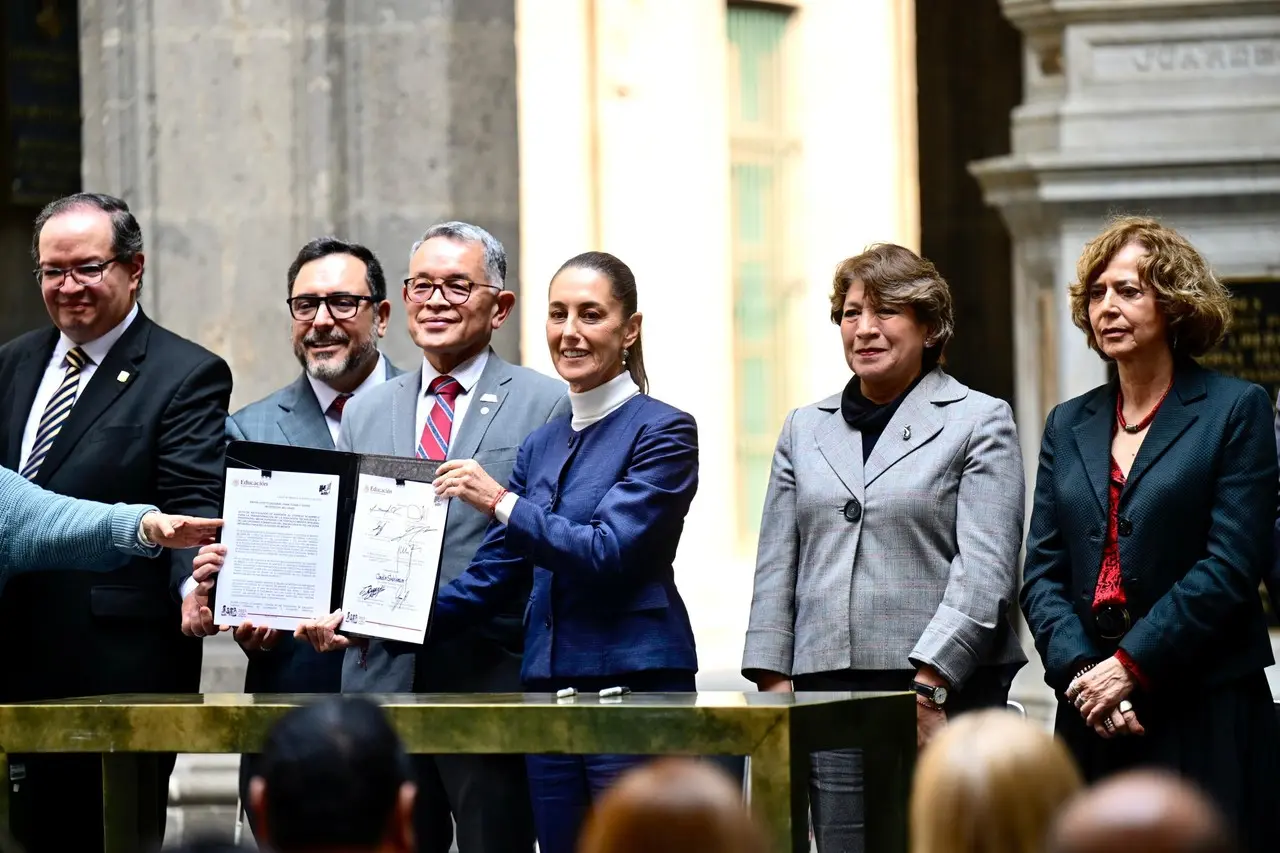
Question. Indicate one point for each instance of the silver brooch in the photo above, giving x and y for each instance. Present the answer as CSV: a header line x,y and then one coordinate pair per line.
x,y
906,433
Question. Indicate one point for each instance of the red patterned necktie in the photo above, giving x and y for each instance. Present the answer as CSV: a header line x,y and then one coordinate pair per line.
x,y
434,443
339,403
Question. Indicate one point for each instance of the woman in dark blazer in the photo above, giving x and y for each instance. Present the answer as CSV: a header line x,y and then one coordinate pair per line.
x,y
888,554
594,509
1151,529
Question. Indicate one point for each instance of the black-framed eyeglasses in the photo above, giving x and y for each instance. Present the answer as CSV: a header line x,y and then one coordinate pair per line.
x,y
342,306
455,290
83,274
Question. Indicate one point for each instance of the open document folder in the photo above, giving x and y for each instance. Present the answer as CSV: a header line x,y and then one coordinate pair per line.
x,y
312,531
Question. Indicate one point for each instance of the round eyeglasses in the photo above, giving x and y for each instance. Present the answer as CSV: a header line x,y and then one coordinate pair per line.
x,y
454,290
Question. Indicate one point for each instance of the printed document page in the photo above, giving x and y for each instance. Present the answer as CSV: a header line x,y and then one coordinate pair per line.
x,y
394,559
279,534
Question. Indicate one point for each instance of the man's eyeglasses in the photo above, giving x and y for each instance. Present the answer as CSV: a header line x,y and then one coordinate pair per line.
x,y
83,274
342,306
455,290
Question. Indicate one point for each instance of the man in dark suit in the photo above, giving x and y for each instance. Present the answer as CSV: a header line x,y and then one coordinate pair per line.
x,y
338,299
108,406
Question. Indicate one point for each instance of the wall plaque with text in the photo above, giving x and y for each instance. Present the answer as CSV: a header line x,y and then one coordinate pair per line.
x,y
1251,349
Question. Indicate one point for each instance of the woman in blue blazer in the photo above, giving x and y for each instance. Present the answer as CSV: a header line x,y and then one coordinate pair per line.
x,y
42,530
1152,527
594,509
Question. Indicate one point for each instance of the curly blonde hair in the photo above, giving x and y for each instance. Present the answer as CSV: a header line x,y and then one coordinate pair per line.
x,y
1196,305
893,276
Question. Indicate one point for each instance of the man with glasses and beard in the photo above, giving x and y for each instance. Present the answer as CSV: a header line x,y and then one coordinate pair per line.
x,y
338,300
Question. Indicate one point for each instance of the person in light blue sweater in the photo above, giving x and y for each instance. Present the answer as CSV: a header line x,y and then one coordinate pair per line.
x,y
43,530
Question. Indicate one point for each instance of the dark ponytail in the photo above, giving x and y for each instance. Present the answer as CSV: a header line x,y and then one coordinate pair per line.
x,y
622,284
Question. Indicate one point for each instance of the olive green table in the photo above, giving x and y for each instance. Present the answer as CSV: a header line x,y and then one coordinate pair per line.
x,y
777,730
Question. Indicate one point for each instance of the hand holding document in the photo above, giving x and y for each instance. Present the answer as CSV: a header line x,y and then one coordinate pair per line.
x,y
394,560
279,534
317,539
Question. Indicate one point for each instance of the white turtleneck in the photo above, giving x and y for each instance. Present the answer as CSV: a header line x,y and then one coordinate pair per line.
x,y
588,408
596,404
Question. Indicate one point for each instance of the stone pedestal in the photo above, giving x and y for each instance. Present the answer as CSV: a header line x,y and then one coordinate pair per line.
x,y
1162,107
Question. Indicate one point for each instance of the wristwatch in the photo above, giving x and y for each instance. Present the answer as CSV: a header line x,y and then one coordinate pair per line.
x,y
936,695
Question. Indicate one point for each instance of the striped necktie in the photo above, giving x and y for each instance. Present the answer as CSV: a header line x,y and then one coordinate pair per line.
x,y
434,443
55,414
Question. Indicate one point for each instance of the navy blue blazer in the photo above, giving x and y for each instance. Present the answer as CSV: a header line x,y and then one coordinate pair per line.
x,y
1196,517
598,522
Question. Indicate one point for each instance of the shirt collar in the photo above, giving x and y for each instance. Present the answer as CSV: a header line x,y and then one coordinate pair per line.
x,y
96,350
326,394
466,374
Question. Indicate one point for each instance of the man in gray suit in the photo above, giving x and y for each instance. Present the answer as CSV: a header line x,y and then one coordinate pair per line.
x,y
464,402
338,299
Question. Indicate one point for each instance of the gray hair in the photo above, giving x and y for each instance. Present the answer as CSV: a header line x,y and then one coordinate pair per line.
x,y
495,257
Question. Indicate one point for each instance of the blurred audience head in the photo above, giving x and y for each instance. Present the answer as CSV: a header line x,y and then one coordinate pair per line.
x,y
334,776
1142,812
990,783
674,805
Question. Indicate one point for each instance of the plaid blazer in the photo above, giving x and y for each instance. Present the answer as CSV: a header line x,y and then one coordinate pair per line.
x,y
1197,509
926,573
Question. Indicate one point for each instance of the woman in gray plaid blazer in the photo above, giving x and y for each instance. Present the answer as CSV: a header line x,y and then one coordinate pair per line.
x,y
888,552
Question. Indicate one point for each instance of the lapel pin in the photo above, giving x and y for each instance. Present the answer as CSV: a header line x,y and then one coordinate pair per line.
x,y
484,410
488,398
906,433
122,376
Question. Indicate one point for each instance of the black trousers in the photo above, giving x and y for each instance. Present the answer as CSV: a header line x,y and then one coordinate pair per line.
x,y
55,800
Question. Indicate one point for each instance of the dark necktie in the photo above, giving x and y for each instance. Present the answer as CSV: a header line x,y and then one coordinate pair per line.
x,y
335,408
55,414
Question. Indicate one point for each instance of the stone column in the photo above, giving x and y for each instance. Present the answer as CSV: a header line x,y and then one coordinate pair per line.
x,y
239,130
1165,107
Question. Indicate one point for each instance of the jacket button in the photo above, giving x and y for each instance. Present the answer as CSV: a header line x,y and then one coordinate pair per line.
x,y
1124,526
852,510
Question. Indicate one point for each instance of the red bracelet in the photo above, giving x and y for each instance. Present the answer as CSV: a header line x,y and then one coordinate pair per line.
x,y
493,507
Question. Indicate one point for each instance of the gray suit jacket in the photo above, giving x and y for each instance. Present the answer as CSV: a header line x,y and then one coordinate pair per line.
x,y
384,421
289,416
927,573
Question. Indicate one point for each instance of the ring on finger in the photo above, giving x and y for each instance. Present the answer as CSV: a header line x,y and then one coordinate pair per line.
x,y
1108,725
1125,706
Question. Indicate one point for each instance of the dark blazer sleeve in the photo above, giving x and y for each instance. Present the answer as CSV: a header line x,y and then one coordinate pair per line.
x,y
646,504
1237,550
1046,590
190,453
488,583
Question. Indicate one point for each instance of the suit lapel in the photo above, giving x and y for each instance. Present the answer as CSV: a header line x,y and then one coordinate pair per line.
x,y
27,377
841,447
480,412
1093,440
917,421
124,360
301,420
1176,415
404,413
